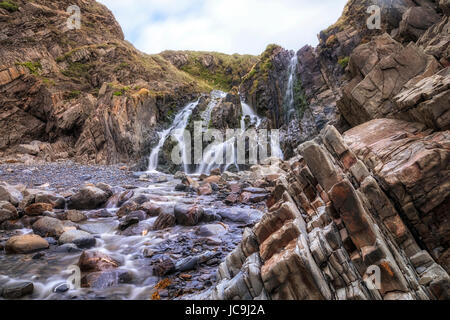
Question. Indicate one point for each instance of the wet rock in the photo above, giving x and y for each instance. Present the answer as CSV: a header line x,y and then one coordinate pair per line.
x,y
61,288
127,208
205,189
188,215
106,279
48,227
10,194
131,219
190,263
93,261
209,215
75,216
38,209
100,227
151,209
56,200
88,198
179,175
139,229
80,238
18,290
240,215
184,188
26,244
7,211
163,266
216,172
211,230
248,197
102,213
67,248
166,219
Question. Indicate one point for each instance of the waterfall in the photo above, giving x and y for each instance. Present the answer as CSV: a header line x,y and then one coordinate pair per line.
x,y
215,153
248,111
216,95
289,99
179,123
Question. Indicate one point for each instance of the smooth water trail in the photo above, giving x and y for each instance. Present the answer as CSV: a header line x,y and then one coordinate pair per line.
x,y
214,156
289,99
178,125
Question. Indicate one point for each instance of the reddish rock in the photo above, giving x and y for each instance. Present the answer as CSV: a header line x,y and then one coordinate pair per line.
x,y
92,261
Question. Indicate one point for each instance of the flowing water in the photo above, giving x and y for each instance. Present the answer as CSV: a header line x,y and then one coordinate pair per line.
x,y
289,99
136,249
179,123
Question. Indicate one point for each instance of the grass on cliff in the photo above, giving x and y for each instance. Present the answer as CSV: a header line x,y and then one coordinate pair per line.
x,y
33,67
9,5
218,70
260,71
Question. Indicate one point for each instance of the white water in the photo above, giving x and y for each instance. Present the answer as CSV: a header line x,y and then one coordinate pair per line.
x,y
213,157
179,124
289,98
216,95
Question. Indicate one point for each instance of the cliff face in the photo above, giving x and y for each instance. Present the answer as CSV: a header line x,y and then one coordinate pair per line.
x,y
84,93
325,75
369,194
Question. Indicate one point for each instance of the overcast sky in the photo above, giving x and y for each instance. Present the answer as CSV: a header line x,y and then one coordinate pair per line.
x,y
229,26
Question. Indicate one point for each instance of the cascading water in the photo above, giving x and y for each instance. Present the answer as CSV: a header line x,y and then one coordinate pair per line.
x,y
289,99
179,124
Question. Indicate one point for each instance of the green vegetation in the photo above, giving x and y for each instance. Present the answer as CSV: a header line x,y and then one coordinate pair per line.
x,y
33,67
77,70
260,71
72,95
118,93
344,62
9,5
217,70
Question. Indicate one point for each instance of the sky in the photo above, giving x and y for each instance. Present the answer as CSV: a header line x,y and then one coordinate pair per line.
x,y
228,26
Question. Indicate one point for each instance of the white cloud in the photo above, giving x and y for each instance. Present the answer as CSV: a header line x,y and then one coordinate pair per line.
x,y
229,26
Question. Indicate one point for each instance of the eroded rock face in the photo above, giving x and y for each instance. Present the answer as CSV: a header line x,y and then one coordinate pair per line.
x,y
370,94
412,166
335,218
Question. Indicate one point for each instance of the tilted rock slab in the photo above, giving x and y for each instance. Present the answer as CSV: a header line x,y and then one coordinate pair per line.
x,y
337,228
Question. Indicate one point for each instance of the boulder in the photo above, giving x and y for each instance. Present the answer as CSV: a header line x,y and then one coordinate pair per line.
x,y
87,198
106,279
415,21
166,219
150,208
7,211
18,290
205,189
54,199
25,244
211,230
188,215
75,216
94,261
370,96
48,227
427,102
37,209
31,149
10,194
80,238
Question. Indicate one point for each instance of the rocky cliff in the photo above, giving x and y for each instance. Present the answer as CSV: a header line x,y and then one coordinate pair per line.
x,y
87,93
368,196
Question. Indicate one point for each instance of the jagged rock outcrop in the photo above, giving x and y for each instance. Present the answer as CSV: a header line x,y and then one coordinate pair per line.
x,y
87,93
331,224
